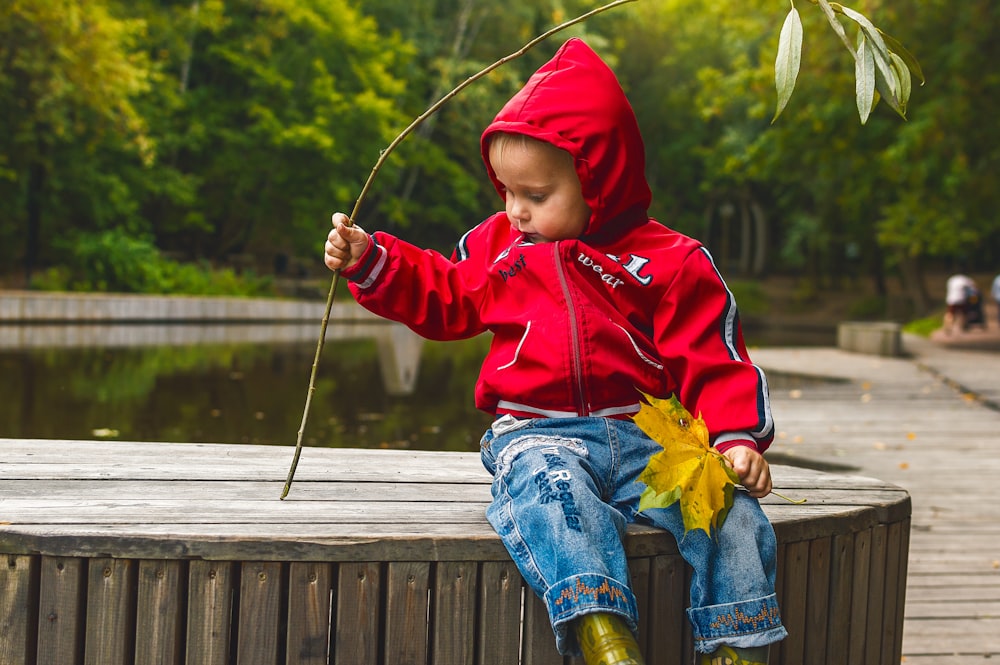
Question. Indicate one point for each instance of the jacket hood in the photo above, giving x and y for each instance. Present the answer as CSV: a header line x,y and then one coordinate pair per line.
x,y
575,102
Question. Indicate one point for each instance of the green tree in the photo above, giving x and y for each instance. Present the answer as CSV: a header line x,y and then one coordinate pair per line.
x,y
69,74
281,108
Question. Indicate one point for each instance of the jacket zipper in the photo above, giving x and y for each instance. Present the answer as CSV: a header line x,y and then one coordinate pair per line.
x,y
575,360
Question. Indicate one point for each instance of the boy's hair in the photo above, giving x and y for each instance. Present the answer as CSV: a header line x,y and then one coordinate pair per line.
x,y
506,140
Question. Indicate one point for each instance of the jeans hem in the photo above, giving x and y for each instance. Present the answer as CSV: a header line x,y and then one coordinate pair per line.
x,y
748,623
573,597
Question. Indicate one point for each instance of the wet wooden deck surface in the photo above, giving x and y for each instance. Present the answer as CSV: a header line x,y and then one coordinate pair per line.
x,y
929,423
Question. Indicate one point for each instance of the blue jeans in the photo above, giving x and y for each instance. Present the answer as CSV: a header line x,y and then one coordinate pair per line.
x,y
563,491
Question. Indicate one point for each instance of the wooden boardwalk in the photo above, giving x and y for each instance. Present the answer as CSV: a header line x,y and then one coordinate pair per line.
x,y
930,423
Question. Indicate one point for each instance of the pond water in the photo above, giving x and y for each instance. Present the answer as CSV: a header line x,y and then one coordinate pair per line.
x,y
377,384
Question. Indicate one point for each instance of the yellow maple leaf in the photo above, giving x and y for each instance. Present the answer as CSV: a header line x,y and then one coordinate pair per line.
x,y
688,469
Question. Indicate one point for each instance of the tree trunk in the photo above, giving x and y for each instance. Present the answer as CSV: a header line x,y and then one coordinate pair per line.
x,y
913,284
32,249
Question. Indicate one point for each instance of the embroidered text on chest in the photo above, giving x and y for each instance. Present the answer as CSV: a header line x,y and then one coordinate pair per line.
x,y
515,268
633,267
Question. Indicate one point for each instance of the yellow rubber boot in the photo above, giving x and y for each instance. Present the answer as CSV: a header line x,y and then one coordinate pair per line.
x,y
606,640
733,656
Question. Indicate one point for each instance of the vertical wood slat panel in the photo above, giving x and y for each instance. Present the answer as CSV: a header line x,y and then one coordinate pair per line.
x,y
110,631
358,607
407,583
795,583
859,596
776,653
60,611
159,618
453,627
260,623
902,563
640,577
18,611
667,599
688,630
539,640
876,601
891,629
839,611
308,641
818,600
209,612
499,621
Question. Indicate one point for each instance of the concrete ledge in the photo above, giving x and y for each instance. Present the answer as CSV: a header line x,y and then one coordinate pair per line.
x,y
880,338
46,307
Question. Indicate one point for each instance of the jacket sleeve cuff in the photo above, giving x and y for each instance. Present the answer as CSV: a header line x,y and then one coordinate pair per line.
x,y
368,266
728,440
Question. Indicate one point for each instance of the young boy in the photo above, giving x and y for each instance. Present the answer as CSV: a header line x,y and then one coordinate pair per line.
x,y
589,302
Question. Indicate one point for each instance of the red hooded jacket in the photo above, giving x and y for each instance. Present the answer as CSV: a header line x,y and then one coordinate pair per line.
x,y
581,326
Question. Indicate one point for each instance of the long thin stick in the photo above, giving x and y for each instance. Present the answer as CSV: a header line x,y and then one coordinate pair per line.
x,y
364,191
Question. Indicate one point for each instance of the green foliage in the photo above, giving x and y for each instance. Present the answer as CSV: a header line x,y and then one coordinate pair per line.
x,y
113,261
923,326
750,297
867,308
211,128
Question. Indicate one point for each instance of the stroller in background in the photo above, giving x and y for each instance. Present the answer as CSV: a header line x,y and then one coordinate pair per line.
x,y
972,309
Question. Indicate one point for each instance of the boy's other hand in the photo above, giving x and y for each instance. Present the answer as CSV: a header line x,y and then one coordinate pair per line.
x,y
753,470
344,244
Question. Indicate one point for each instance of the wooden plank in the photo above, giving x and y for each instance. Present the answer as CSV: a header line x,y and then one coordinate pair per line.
x,y
949,608
358,608
839,611
499,621
72,502
639,580
288,542
138,460
110,631
453,626
60,611
407,584
539,643
955,636
794,560
309,605
181,511
209,612
260,619
818,600
895,590
876,597
932,595
316,539
859,597
942,659
668,596
18,608
242,490
159,638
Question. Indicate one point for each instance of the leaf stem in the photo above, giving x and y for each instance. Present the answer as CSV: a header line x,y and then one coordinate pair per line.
x,y
797,502
836,25
364,191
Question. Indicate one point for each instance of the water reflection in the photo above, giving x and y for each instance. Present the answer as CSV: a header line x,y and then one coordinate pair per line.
x,y
377,385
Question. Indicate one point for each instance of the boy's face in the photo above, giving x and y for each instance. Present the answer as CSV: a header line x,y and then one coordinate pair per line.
x,y
542,190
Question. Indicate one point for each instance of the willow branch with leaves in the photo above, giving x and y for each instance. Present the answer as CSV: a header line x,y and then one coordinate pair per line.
x,y
364,192
882,66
